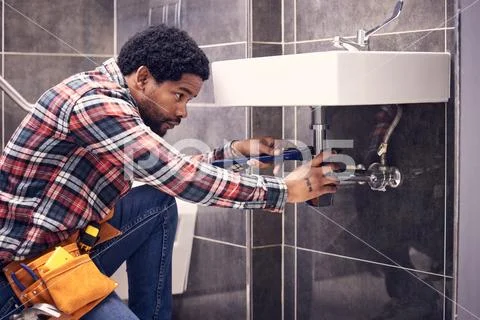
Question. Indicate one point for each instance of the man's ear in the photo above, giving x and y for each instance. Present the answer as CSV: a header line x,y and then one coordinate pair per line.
x,y
142,76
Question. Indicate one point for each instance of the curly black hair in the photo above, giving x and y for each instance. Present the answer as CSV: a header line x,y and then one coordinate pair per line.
x,y
167,52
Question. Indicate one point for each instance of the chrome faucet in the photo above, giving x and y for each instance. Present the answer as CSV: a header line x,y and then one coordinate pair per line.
x,y
363,37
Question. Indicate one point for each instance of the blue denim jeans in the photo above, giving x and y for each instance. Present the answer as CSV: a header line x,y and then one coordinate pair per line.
x,y
148,221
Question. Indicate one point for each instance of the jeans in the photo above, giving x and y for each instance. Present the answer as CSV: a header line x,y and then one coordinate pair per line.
x,y
148,221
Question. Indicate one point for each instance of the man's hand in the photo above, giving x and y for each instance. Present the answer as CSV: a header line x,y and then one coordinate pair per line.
x,y
258,146
311,180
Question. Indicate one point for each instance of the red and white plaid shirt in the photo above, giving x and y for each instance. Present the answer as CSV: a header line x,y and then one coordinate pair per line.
x,y
78,152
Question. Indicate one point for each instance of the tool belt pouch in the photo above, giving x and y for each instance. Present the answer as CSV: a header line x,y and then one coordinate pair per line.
x,y
74,287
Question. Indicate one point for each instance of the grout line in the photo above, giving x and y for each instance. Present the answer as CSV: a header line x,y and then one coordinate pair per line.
x,y
268,42
219,242
445,177
375,35
445,193
267,246
52,54
222,44
456,161
248,129
295,208
372,262
115,27
282,283
2,120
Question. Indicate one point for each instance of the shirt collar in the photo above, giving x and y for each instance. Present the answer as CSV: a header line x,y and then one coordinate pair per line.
x,y
111,69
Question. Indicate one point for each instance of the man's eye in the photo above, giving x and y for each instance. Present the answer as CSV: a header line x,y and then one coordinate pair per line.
x,y
178,96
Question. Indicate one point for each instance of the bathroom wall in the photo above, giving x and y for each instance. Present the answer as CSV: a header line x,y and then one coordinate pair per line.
x,y
370,254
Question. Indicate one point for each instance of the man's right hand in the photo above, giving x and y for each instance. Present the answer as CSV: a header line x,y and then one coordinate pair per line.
x,y
311,180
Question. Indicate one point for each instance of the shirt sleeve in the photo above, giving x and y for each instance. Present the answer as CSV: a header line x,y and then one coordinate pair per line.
x,y
111,128
225,152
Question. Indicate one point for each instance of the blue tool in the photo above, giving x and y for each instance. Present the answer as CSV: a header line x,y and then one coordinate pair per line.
x,y
288,154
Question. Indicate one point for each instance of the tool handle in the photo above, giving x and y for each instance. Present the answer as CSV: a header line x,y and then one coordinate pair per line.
x,y
288,154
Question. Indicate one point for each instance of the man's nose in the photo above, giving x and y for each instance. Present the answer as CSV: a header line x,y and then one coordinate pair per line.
x,y
182,110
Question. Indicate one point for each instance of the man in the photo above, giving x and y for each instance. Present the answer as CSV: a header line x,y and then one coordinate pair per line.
x,y
74,158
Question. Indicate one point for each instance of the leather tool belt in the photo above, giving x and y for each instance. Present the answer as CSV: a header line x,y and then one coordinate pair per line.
x,y
75,287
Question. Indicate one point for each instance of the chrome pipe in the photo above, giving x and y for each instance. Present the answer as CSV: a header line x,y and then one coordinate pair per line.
x,y
15,95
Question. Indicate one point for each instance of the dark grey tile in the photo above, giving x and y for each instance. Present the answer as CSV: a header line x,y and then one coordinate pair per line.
x,y
267,121
267,228
318,19
13,116
204,22
317,46
374,225
220,53
289,283
452,13
265,50
216,284
267,283
289,225
132,17
216,268
207,128
227,305
31,75
221,224
432,41
59,26
289,20
336,288
267,20
289,48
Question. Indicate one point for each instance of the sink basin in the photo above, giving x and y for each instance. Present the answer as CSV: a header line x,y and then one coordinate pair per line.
x,y
333,78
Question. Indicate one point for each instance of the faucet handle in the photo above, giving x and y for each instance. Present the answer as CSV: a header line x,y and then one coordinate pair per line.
x,y
396,12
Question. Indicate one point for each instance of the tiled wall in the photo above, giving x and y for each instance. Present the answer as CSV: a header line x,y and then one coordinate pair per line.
x,y
369,254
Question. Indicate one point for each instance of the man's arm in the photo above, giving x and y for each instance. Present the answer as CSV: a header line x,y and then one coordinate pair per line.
x,y
113,130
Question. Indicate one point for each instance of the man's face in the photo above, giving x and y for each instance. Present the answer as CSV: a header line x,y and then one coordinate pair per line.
x,y
163,105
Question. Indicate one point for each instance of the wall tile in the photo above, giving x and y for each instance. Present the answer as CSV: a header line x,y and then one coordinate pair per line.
x,y
216,285
13,116
216,268
132,17
452,13
204,22
267,281
289,283
289,225
265,50
31,75
289,20
59,26
418,41
347,289
267,228
392,221
318,19
221,224
211,127
317,46
267,20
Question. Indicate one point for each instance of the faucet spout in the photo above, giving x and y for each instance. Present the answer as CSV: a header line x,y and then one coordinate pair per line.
x,y
363,36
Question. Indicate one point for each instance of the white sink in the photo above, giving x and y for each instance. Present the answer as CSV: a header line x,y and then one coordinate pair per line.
x,y
333,78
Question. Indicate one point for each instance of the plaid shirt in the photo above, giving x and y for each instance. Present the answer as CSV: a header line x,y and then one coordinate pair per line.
x,y
79,151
